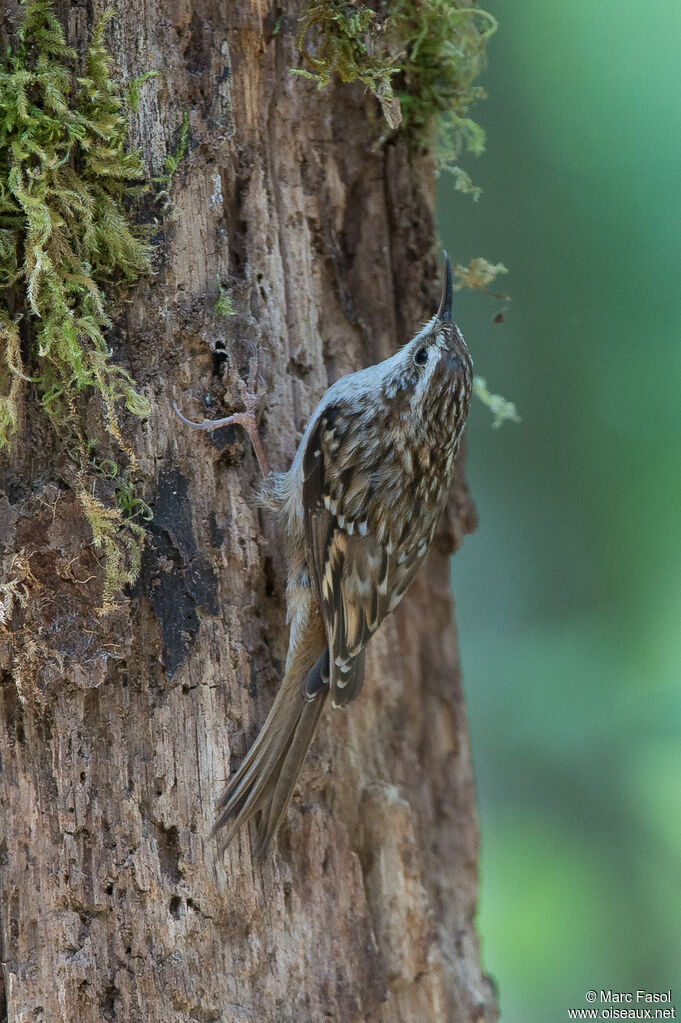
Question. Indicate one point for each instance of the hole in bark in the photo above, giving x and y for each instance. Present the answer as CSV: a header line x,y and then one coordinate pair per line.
x,y
175,907
287,889
109,889
270,577
169,852
219,359
217,535
226,437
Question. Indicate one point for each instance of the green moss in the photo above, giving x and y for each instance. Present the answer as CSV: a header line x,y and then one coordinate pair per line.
x,y
116,531
224,305
172,161
11,375
478,274
502,409
345,33
444,43
64,174
426,54
133,93
65,182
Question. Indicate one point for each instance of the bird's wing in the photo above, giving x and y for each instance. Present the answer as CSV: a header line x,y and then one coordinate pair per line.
x,y
357,581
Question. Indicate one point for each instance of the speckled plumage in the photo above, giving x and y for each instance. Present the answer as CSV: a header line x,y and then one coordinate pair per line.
x,y
359,506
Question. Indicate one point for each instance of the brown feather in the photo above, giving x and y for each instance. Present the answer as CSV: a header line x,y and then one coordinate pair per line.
x,y
266,779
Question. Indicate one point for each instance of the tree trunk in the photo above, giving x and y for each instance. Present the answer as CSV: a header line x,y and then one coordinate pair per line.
x,y
114,903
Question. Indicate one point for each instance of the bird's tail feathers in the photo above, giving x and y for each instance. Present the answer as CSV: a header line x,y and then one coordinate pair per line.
x,y
267,777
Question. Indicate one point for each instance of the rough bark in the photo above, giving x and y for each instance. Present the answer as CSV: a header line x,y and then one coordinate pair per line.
x,y
113,903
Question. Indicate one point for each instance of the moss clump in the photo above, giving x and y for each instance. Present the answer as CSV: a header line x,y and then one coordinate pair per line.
x,y
224,305
64,174
65,180
118,537
346,30
478,274
444,45
502,409
426,54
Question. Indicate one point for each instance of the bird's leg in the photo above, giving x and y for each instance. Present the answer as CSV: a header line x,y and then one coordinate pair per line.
x,y
250,398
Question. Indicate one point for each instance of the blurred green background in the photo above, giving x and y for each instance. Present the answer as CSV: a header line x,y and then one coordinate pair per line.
x,y
569,593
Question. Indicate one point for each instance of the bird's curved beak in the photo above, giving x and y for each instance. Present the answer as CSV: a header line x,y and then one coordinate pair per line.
x,y
445,310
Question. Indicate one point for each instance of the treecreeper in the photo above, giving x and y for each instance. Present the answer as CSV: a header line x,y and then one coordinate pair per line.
x,y
359,508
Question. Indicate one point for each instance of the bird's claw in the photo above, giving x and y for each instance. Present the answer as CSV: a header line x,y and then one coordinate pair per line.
x,y
250,396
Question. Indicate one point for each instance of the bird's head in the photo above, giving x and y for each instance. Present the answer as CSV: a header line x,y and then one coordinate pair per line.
x,y
432,376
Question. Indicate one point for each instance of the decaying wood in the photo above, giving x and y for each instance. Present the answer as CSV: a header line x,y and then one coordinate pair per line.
x,y
113,904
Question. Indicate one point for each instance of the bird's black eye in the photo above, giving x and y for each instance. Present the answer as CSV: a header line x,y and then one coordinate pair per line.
x,y
421,357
